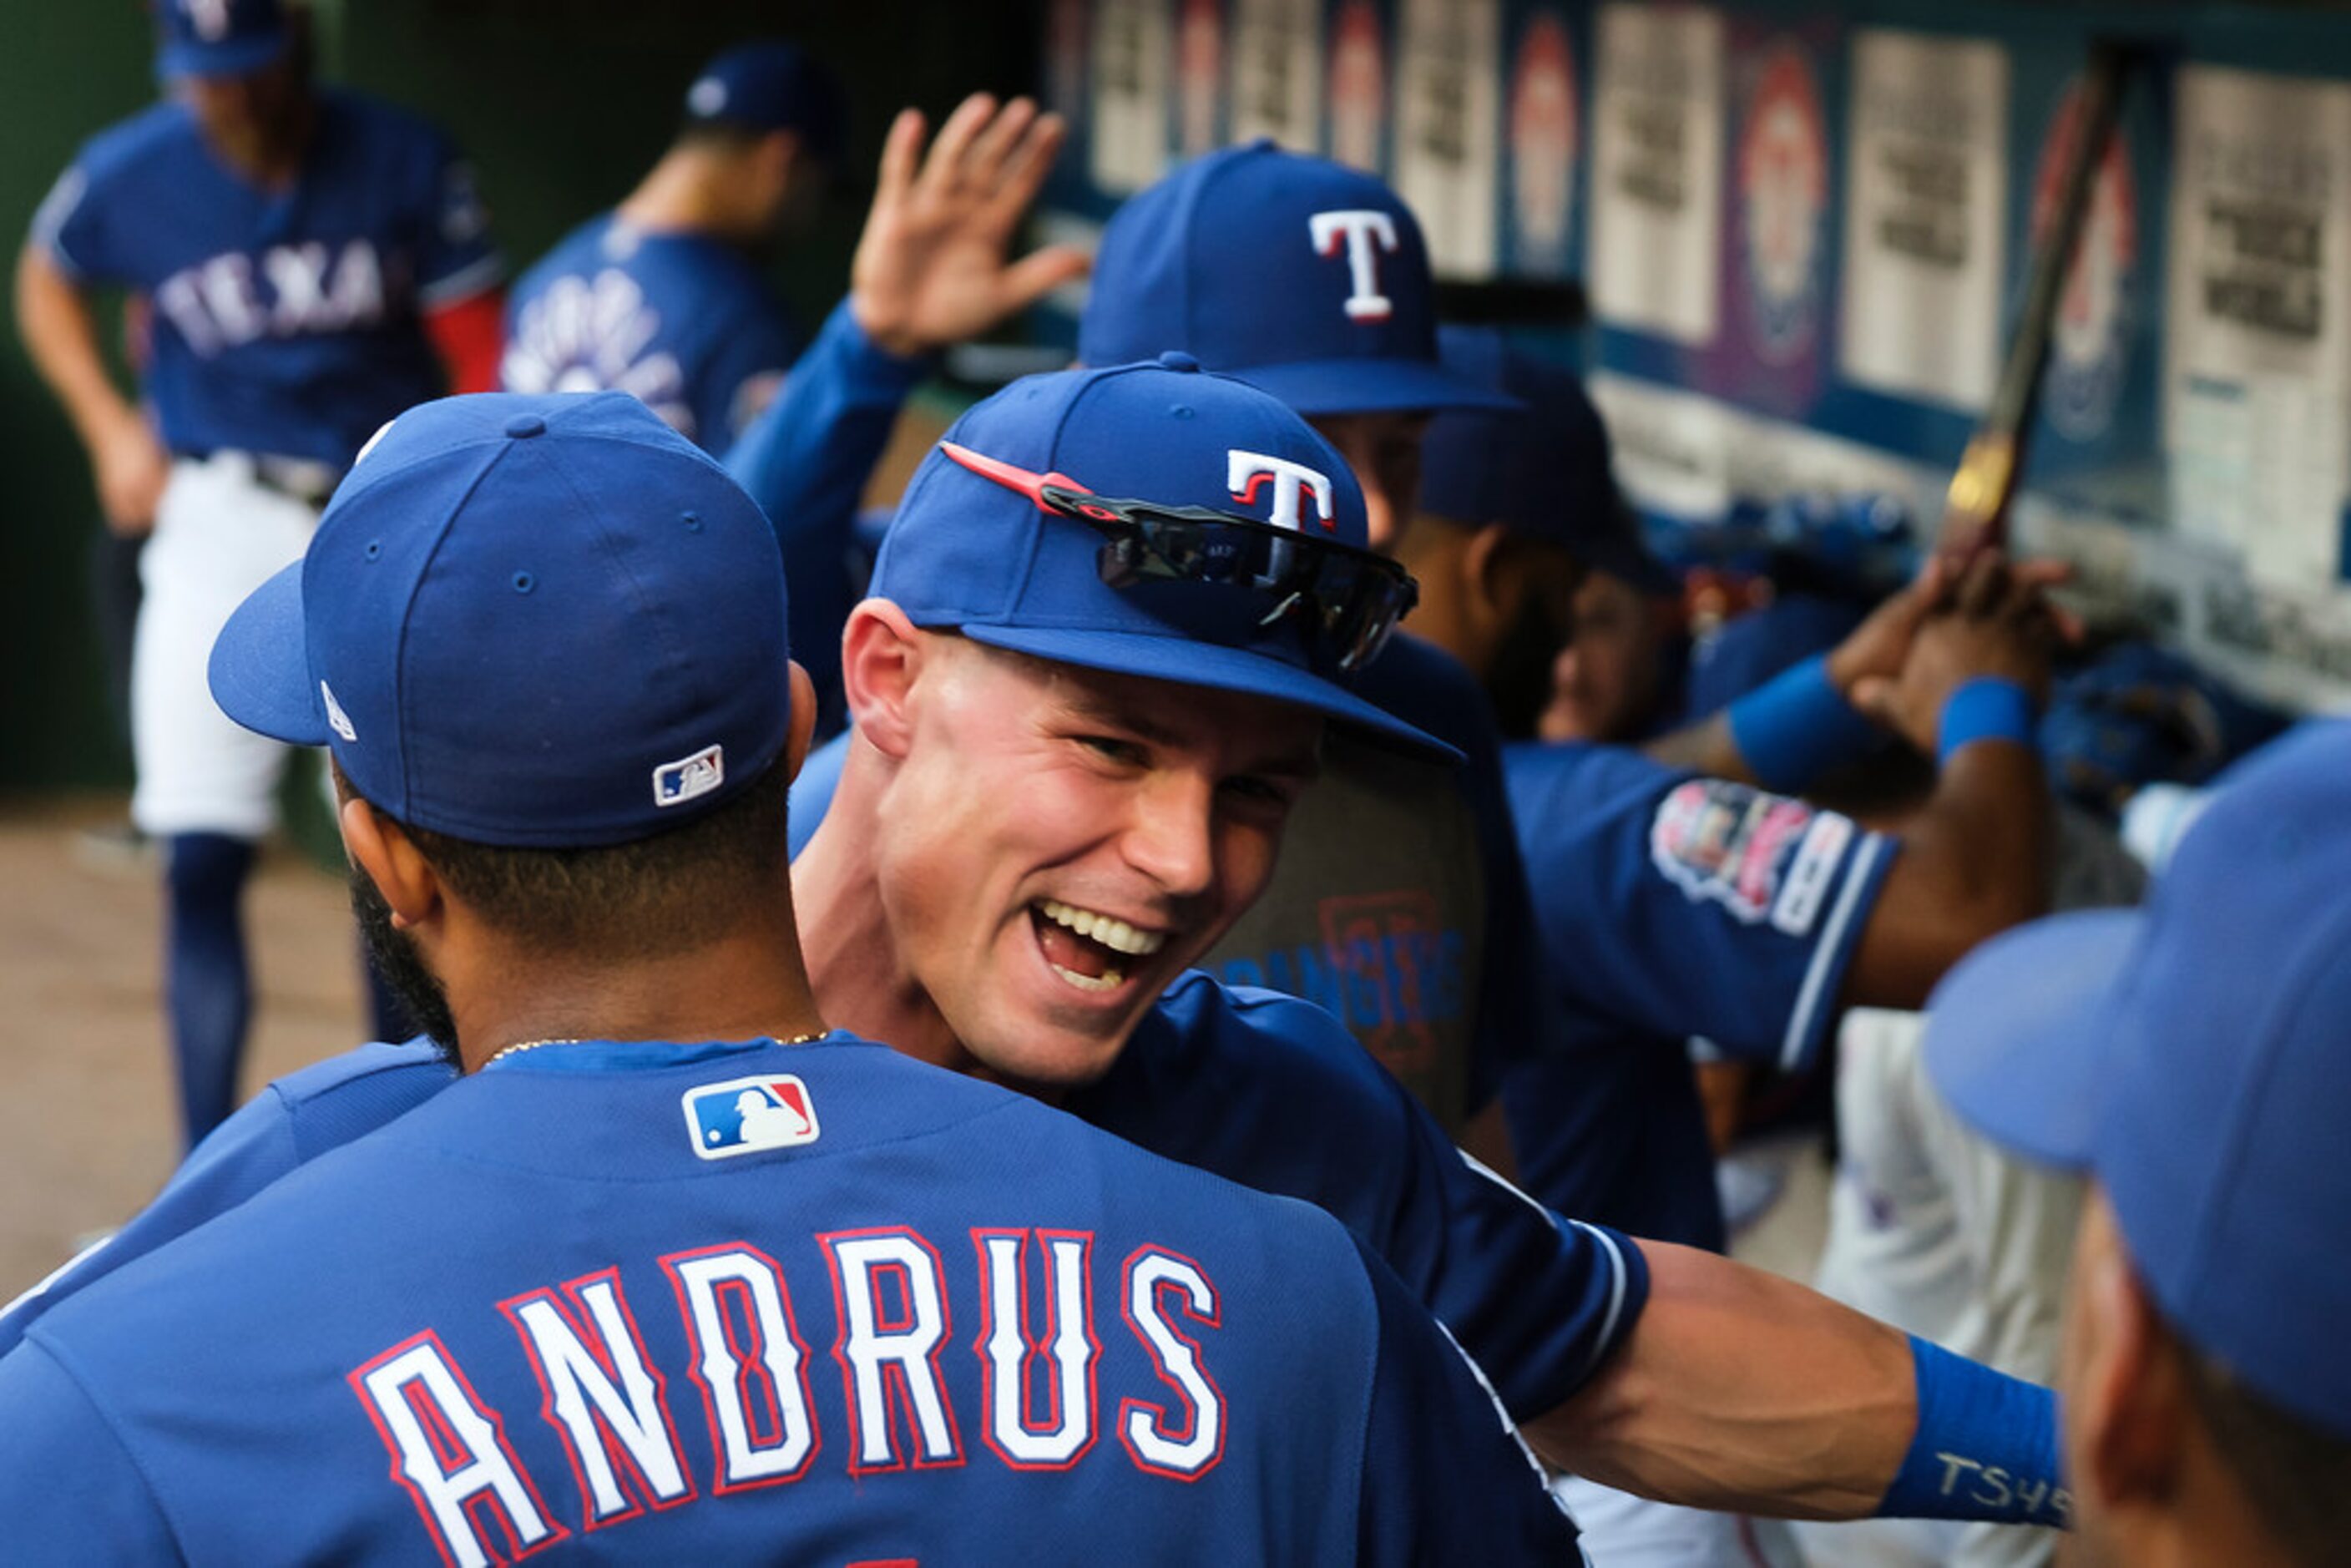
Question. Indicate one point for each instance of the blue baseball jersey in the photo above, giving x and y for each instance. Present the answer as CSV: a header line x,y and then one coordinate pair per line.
x,y
1260,1089
684,321
1670,906
284,321
817,1303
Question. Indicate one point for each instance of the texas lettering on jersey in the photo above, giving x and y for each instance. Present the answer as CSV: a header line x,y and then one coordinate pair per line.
x,y
314,289
756,1390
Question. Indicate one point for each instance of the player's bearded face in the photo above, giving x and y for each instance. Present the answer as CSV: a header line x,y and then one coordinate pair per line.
x,y
1061,845
395,956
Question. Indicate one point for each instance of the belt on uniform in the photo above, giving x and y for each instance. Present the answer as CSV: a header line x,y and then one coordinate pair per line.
x,y
302,479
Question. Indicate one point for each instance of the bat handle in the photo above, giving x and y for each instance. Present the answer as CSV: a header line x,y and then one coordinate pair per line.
x,y
1974,507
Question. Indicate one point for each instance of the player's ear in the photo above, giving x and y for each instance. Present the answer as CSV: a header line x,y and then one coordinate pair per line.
x,y
881,662
1489,588
390,859
796,746
2128,1379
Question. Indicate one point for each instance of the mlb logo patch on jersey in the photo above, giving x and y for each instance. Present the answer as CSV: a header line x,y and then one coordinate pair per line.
x,y
745,1116
675,783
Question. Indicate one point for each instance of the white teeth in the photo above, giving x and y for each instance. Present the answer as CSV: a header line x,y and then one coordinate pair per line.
x,y
1111,932
1108,980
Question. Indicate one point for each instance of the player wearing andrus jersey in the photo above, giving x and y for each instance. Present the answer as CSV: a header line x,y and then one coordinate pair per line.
x,y
663,297
314,262
671,1274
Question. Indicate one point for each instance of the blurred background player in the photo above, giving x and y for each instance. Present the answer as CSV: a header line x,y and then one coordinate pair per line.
x,y
2188,1059
663,297
1398,904
314,262
600,933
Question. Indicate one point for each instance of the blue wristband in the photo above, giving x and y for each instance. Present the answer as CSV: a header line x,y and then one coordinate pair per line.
x,y
1986,1447
1797,726
1985,708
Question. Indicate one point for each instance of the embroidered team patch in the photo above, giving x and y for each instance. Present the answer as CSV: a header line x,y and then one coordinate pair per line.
x,y
1754,853
743,1115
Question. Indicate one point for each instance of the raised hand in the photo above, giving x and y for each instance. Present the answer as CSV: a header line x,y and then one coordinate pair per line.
x,y
933,268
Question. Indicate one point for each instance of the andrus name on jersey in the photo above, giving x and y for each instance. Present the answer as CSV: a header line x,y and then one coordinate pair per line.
x,y
611,1407
284,291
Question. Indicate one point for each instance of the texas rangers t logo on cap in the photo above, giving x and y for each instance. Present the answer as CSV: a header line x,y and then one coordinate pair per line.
x,y
1247,472
743,1115
1358,226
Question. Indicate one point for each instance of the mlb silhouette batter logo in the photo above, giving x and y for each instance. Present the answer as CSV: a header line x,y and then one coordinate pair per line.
x,y
743,1115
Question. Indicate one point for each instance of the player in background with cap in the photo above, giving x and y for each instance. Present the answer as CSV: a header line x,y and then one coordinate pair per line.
x,y
543,640
2188,1058
313,263
1399,904
663,295
1671,904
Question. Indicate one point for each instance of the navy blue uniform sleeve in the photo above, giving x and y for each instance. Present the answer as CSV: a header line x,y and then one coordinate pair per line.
x,y
806,461
68,1489
1682,905
1273,1093
297,1118
1445,1477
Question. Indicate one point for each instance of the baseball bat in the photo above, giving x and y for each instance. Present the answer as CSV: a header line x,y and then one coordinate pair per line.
x,y
1975,508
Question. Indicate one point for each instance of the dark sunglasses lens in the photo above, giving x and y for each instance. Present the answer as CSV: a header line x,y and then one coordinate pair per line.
x,y
1353,604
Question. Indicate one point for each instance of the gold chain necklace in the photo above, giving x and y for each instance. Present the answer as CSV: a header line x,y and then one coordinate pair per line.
x,y
522,1045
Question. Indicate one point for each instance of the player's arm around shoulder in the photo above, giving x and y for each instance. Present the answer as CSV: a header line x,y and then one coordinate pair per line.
x,y
1444,1476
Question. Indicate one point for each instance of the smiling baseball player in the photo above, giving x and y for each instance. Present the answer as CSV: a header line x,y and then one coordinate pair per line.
x,y
315,263
671,1274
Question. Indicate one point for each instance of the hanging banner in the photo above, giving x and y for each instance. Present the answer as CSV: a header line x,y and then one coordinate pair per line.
x,y
2259,348
1657,171
1358,85
1448,127
1133,44
1200,77
1542,141
1277,72
1926,209
1782,207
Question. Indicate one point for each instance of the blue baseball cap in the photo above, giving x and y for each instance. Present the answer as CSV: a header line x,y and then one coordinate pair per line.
x,y
1302,277
217,37
771,84
973,548
2194,1055
1542,471
545,621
